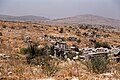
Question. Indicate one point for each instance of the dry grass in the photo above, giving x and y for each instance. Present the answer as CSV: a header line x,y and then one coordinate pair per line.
x,y
18,69
13,69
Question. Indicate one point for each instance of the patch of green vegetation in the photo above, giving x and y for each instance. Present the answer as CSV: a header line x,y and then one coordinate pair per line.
x,y
104,45
41,56
98,64
23,50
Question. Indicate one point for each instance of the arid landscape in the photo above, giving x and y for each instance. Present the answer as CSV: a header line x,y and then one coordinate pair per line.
x,y
59,39
38,48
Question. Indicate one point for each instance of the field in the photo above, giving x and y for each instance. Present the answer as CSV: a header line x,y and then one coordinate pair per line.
x,y
14,66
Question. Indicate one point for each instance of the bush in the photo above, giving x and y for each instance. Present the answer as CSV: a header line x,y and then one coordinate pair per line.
x,y
0,33
104,45
41,56
23,50
78,41
61,30
4,26
98,64
50,66
24,27
12,27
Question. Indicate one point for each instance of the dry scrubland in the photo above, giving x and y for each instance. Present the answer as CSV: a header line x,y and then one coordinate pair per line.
x,y
15,66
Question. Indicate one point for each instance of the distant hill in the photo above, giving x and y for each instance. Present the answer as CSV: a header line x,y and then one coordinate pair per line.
x,y
22,18
88,19
75,20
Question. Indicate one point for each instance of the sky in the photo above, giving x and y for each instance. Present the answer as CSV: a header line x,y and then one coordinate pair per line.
x,y
61,8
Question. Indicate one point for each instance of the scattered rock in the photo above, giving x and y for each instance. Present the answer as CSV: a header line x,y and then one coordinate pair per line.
x,y
9,73
75,78
107,74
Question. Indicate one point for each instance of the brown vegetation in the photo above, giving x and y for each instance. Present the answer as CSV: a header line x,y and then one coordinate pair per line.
x,y
15,66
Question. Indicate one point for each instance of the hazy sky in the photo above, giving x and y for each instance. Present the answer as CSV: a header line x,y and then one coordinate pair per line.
x,y
61,8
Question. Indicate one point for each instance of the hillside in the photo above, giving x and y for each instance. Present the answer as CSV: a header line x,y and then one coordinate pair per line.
x,y
75,20
88,19
12,45
22,18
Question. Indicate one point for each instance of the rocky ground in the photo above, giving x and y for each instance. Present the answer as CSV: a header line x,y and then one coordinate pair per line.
x,y
13,64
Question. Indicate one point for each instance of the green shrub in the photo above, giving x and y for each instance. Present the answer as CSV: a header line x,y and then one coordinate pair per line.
x,y
50,66
23,50
98,64
104,45
41,56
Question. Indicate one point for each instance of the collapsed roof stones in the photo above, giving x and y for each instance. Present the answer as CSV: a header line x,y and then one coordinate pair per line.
x,y
61,38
